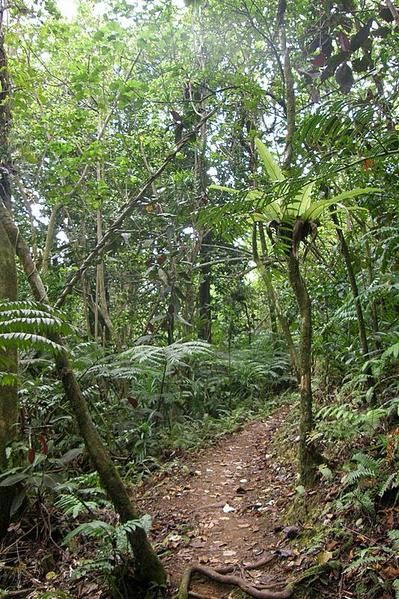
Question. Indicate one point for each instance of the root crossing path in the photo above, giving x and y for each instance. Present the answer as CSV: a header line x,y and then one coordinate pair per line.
x,y
224,507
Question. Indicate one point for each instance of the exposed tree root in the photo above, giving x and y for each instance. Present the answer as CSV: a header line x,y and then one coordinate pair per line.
x,y
223,575
194,595
230,579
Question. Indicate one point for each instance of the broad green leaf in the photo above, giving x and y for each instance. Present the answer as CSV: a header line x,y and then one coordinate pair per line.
x,y
317,209
14,479
305,199
70,455
224,188
353,193
259,217
271,166
273,211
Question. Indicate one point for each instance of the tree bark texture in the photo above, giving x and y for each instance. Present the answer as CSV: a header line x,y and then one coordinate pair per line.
x,y
308,458
8,363
273,302
101,299
204,294
8,290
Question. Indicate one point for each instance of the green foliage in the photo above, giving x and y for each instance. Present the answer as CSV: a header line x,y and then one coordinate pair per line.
x,y
29,326
367,484
346,421
97,103
179,394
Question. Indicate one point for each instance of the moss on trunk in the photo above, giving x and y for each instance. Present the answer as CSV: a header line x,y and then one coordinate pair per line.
x,y
8,363
308,456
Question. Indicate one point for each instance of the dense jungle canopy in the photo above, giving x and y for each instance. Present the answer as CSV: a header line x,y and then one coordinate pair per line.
x,y
199,309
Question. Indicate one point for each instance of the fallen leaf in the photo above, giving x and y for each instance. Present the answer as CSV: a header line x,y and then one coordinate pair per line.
x,y
324,557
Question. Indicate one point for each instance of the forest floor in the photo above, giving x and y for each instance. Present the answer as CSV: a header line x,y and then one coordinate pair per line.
x,y
225,505
235,506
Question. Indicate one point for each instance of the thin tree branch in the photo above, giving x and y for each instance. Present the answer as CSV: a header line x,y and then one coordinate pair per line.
x,y
126,210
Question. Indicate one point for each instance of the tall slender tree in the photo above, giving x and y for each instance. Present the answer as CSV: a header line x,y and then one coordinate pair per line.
x,y
8,285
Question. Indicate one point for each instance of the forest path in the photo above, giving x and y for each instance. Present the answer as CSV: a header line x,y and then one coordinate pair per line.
x,y
224,506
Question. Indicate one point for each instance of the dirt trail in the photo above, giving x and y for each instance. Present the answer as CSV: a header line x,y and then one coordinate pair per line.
x,y
224,506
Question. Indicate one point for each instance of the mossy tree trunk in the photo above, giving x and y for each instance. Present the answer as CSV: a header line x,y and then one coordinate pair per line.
x,y
308,457
8,291
274,308
8,394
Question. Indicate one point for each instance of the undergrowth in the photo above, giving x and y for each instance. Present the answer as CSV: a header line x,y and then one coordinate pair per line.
x,y
352,516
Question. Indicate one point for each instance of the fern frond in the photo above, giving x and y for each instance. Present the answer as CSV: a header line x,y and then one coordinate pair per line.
x,y
392,482
367,461
364,562
28,341
95,528
72,505
356,475
29,325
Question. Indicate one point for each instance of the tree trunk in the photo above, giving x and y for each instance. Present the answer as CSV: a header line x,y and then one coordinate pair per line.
x,y
273,301
204,296
308,457
364,345
101,299
148,566
8,291
50,237
201,178
8,363
374,303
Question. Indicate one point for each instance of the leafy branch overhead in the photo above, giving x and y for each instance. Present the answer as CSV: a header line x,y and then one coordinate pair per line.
x,y
286,214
